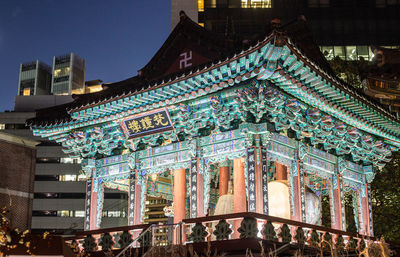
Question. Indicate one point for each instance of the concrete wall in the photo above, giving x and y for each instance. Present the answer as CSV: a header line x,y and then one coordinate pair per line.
x,y
50,151
73,222
57,222
57,169
60,186
31,103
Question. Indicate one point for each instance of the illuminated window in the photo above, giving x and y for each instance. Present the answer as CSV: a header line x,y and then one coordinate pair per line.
x,y
66,160
64,213
351,53
70,160
27,91
328,52
362,51
61,72
79,213
2,126
68,178
256,3
200,4
201,24
339,51
81,177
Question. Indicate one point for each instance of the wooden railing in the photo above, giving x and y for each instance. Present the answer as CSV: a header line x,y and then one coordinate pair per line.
x,y
274,229
243,225
109,238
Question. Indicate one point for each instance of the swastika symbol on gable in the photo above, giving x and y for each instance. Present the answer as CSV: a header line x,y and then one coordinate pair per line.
x,y
185,60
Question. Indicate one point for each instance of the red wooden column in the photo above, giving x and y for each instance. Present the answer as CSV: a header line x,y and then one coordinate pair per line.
x,y
281,171
338,205
365,209
295,214
223,179
239,191
259,181
200,196
91,206
138,203
179,195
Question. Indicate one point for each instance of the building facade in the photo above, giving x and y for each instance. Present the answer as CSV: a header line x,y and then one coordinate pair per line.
x,y
58,196
337,28
68,75
34,79
17,165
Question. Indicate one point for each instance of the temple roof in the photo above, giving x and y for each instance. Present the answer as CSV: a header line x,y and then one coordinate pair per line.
x,y
214,47
213,53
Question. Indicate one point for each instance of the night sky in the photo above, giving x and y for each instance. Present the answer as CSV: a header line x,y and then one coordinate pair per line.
x,y
115,37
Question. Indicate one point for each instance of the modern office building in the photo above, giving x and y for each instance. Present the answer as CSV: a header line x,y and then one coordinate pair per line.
x,y
344,28
58,196
34,78
68,75
59,188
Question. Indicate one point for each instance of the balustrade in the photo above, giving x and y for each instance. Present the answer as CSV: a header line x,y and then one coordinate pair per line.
x,y
270,230
273,229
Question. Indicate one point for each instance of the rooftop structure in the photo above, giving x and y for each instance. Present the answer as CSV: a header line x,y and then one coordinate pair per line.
x,y
34,79
267,115
68,75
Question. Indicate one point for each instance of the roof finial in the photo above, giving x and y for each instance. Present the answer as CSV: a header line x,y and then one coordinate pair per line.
x,y
275,23
182,15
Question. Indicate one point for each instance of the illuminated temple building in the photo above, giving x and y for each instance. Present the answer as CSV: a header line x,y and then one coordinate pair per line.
x,y
268,115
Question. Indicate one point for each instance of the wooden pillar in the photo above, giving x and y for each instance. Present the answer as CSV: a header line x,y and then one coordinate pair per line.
x,y
295,193
138,203
179,195
223,180
200,196
299,192
370,221
90,205
131,199
239,191
281,171
338,205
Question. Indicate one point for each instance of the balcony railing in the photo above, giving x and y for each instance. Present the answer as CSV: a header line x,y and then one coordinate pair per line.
x,y
222,228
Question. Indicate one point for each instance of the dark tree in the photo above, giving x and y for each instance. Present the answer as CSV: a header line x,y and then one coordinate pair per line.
x,y
386,200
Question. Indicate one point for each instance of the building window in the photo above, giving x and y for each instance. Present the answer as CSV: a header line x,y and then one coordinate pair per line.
x,y
328,52
81,177
114,214
256,3
80,214
27,91
68,178
318,3
70,160
351,53
200,5
71,213
2,126
61,72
